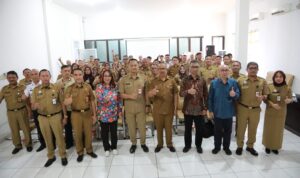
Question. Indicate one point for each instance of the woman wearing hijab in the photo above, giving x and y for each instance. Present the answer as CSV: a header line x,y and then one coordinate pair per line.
x,y
275,115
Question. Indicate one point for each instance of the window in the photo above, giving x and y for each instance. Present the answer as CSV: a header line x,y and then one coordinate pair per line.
x,y
219,43
105,48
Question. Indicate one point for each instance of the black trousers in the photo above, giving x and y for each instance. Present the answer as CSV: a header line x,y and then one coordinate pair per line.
x,y
223,129
37,125
68,131
106,129
188,123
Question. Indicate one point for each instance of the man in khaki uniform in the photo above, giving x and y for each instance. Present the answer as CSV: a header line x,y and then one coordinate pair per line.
x,y
145,69
47,99
235,74
163,92
27,80
236,67
199,59
185,63
63,84
132,90
208,72
173,70
253,91
227,61
16,111
82,100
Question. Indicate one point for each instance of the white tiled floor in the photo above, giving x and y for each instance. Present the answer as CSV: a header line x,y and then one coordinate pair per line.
x,y
163,164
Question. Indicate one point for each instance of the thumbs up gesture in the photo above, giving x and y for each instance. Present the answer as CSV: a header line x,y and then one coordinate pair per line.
x,y
68,100
288,100
192,90
232,92
153,92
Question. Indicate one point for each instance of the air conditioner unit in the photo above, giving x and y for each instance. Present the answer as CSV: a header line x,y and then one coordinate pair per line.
x,y
257,16
281,9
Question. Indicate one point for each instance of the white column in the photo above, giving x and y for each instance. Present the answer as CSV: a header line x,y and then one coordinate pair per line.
x,y
241,38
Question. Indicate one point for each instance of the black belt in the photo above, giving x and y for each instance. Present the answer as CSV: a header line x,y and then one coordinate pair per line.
x,y
49,115
17,109
81,110
249,107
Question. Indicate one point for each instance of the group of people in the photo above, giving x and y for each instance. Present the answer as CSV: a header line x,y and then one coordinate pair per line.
x,y
86,92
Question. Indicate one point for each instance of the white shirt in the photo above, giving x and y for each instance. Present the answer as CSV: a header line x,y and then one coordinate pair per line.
x,y
29,88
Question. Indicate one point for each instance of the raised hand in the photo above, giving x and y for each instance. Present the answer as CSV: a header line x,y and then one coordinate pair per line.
x,y
192,90
232,92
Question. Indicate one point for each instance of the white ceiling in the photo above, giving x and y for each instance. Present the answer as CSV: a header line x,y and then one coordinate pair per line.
x,y
95,7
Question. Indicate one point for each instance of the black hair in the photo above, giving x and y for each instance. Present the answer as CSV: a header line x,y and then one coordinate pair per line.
x,y
79,70
64,66
12,73
25,70
198,53
194,62
237,62
226,55
252,63
44,70
175,57
283,75
133,59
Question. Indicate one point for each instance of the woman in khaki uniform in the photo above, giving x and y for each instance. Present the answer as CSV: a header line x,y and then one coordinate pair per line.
x,y
280,95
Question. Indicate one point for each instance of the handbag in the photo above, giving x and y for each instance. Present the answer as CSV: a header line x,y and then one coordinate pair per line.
x,y
208,128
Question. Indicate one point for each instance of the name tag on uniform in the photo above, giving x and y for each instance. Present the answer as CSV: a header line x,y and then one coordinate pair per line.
x,y
54,102
278,98
127,83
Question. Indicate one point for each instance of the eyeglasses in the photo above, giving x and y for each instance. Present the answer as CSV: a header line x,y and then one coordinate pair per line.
x,y
162,68
194,66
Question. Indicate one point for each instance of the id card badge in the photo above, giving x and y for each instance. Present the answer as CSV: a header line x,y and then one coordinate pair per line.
x,y
54,101
278,98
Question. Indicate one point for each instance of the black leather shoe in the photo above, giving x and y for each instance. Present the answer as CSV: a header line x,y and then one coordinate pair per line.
x,y
215,151
252,151
172,149
79,158
92,154
50,161
199,150
186,149
275,152
132,148
64,161
145,148
16,150
157,149
40,148
228,151
29,149
268,151
239,151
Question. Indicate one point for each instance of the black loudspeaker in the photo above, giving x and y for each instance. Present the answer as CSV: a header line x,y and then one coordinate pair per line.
x,y
210,50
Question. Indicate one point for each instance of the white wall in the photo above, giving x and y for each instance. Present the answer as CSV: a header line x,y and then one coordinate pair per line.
x,y
23,42
65,34
24,39
276,43
147,47
181,22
